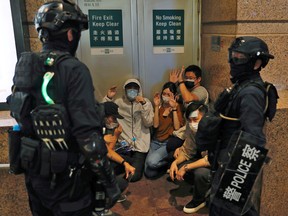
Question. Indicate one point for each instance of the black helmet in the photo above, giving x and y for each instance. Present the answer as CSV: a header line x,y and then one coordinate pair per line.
x,y
55,15
252,47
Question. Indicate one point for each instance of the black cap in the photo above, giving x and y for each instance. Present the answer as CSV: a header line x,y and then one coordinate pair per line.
x,y
132,84
111,109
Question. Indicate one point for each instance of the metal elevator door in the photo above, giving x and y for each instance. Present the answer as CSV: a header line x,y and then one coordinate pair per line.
x,y
138,38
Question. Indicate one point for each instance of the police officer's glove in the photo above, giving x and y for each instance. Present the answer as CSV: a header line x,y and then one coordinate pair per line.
x,y
105,175
95,151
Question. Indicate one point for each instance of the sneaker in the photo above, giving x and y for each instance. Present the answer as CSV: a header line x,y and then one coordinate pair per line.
x,y
122,198
193,206
106,212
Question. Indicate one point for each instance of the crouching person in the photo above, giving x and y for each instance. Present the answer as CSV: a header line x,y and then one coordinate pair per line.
x,y
191,165
117,151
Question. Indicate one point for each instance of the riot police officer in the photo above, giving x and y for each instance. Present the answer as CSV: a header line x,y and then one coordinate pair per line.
x,y
65,146
247,56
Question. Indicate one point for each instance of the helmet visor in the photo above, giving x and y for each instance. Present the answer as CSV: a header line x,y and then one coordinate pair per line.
x,y
238,58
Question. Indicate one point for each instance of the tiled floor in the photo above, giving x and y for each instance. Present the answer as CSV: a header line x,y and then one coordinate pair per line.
x,y
156,198
144,198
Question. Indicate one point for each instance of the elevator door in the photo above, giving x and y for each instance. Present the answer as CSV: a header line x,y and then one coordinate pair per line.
x,y
138,38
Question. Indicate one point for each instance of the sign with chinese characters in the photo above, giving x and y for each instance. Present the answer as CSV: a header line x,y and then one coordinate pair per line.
x,y
106,32
240,173
168,31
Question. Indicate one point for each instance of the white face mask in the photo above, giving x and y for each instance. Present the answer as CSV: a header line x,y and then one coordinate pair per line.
x,y
112,125
165,99
194,126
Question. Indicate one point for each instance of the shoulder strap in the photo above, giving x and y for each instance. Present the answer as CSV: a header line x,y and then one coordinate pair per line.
x,y
51,62
238,89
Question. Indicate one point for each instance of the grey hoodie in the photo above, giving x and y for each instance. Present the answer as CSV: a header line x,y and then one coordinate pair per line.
x,y
142,116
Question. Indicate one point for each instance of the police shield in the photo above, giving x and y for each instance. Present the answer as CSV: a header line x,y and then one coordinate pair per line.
x,y
245,162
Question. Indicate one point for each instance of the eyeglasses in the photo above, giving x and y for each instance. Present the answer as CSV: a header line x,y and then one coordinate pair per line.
x,y
190,77
238,58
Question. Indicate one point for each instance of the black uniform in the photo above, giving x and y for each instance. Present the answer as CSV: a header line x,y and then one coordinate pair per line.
x,y
248,106
74,89
65,148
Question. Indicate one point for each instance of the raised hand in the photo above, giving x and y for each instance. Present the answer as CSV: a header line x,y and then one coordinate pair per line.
x,y
140,99
173,104
173,76
181,74
112,92
156,99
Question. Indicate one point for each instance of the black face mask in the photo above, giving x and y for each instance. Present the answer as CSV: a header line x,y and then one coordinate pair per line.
x,y
241,72
189,84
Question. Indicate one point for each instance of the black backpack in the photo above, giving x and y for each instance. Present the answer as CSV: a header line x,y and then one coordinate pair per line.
x,y
27,81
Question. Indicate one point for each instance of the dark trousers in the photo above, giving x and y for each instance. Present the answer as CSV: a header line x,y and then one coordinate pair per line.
x,y
137,160
45,201
201,179
119,171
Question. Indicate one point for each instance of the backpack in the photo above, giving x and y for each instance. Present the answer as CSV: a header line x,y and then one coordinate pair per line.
x,y
27,80
210,125
26,90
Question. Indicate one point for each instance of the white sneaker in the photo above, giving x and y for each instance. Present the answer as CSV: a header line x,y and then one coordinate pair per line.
x,y
106,212
193,206
122,198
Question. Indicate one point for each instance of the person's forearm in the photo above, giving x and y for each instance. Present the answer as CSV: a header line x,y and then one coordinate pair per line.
x,y
186,94
112,155
176,122
180,159
203,162
156,117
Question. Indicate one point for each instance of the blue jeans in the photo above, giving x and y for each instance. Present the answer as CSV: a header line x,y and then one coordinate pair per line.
x,y
156,159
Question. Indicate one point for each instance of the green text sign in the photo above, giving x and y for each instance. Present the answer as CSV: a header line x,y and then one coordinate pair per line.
x,y
168,27
105,28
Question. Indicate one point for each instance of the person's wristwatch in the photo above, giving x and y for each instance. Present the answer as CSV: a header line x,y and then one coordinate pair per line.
x,y
181,82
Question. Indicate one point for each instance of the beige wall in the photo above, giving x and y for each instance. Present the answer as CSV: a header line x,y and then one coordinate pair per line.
x,y
267,20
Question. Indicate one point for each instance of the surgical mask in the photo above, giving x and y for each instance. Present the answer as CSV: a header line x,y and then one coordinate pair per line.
x,y
194,126
131,94
189,83
165,99
112,125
